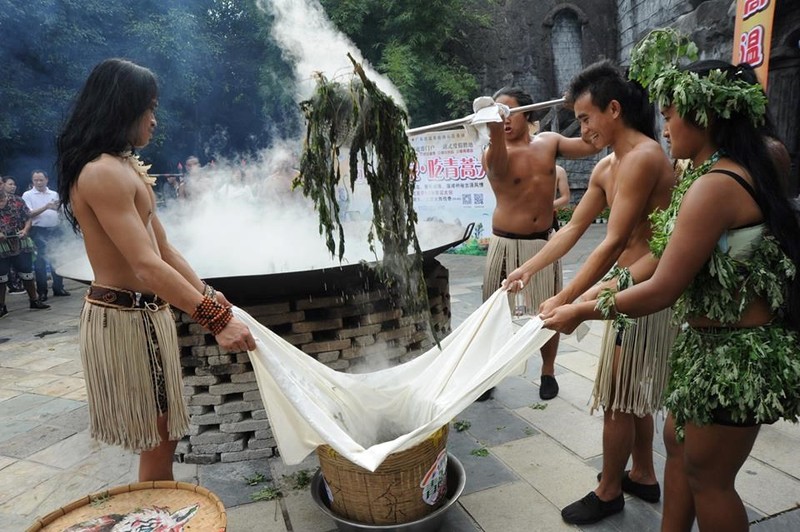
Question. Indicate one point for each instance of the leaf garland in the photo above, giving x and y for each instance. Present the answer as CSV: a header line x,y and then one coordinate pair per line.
x,y
360,117
655,65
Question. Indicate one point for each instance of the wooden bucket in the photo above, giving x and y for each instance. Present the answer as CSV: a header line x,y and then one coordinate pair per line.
x,y
164,497
407,486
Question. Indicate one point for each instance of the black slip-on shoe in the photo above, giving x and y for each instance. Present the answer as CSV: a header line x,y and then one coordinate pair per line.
x,y
37,304
591,509
60,293
646,492
548,387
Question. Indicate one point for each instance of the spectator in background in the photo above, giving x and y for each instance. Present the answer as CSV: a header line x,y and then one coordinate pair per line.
x,y
45,231
15,285
562,189
189,183
16,248
171,189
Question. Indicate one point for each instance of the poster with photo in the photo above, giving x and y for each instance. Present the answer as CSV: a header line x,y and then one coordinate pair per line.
x,y
452,185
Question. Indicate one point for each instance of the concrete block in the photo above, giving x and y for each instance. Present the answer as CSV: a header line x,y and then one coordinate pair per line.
x,y
331,345
366,330
230,447
238,406
240,456
231,387
213,436
248,425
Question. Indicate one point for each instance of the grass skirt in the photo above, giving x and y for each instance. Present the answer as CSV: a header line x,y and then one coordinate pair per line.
x,y
507,254
116,350
637,386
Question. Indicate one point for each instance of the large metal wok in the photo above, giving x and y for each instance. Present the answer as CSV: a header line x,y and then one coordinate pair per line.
x,y
244,289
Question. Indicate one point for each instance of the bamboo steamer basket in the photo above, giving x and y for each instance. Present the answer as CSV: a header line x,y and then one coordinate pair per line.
x,y
407,486
166,494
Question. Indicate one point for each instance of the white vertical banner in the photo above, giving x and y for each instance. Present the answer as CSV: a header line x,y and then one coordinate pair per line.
x,y
452,185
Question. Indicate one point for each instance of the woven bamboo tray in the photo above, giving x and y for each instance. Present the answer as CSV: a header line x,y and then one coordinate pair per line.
x,y
407,486
165,494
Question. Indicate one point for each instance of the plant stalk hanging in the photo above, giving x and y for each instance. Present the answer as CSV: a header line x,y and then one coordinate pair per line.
x,y
360,117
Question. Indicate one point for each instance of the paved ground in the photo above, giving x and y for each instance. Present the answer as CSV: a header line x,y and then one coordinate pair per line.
x,y
540,457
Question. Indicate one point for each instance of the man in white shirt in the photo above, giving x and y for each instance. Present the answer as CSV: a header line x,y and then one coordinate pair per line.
x,y
45,229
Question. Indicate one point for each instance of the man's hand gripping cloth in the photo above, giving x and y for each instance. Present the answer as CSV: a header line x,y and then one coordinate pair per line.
x,y
486,110
366,417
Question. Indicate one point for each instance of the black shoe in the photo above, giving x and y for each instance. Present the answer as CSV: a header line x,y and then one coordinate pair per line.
x,y
548,387
60,293
646,492
591,509
3,311
485,396
16,290
38,305
42,297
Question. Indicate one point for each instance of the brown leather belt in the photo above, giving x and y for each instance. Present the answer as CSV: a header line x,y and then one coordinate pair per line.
x,y
542,235
120,298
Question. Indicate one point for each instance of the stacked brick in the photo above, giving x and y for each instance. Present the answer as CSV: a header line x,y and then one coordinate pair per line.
x,y
352,332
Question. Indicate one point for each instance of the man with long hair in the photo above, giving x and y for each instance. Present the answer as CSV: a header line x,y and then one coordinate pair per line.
x,y
128,339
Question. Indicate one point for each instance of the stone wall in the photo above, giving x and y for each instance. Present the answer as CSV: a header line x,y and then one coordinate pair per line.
x,y
518,46
356,331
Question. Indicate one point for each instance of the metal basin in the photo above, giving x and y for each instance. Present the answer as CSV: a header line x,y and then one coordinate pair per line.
x,y
456,479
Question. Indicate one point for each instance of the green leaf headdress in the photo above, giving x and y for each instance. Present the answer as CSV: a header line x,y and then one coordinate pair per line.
x,y
655,65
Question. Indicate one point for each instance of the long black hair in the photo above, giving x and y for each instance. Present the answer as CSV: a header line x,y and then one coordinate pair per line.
x,y
746,144
104,115
604,81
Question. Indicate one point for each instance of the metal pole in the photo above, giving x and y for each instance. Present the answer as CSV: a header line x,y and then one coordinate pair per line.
x,y
463,121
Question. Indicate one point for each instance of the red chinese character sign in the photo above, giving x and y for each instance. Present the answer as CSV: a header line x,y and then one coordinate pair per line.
x,y
752,35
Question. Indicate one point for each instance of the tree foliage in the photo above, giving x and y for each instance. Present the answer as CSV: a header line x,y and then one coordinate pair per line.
x,y
417,44
224,87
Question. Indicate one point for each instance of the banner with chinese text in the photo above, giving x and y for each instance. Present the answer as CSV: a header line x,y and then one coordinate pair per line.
x,y
752,35
452,185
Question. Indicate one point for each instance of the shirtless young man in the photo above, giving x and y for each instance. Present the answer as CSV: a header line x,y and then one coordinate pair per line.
x,y
128,338
633,181
522,174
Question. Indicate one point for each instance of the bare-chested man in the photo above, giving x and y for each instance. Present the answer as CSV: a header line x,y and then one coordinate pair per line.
x,y
633,181
522,173
128,339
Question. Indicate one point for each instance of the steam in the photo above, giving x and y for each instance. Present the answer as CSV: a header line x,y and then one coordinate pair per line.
x,y
243,217
312,44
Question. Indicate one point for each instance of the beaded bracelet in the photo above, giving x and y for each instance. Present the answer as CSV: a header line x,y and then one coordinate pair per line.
x,y
607,305
212,315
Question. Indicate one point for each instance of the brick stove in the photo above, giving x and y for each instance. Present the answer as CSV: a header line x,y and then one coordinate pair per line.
x,y
328,314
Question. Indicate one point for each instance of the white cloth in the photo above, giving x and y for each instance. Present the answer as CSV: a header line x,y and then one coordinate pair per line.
x,y
366,417
36,200
486,110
